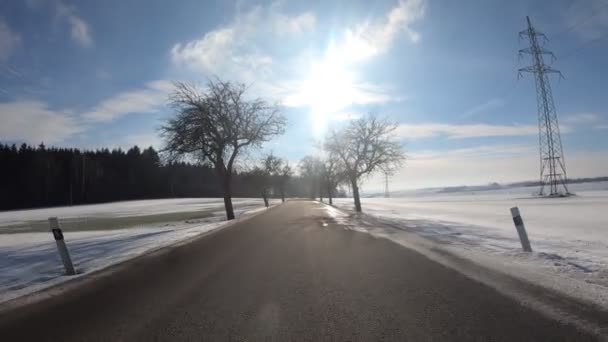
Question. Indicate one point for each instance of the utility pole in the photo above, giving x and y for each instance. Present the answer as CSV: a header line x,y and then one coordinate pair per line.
x,y
552,164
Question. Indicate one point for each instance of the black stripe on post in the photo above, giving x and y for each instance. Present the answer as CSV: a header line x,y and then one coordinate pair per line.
x,y
57,234
518,221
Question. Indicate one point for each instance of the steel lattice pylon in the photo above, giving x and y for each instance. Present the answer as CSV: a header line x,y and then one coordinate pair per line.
x,y
552,163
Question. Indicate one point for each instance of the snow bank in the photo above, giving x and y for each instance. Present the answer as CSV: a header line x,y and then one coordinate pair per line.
x,y
569,236
30,262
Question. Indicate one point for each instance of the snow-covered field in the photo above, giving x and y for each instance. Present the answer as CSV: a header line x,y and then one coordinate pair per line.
x,y
569,236
77,217
29,261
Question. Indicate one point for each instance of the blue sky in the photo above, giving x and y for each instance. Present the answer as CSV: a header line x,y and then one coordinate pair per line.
x,y
95,74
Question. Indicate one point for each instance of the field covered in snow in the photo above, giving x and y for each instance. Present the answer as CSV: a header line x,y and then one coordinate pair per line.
x,y
116,215
100,235
569,236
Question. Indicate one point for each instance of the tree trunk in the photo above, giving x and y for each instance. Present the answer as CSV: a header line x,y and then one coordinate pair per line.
x,y
227,195
229,209
329,195
265,197
321,192
283,194
356,195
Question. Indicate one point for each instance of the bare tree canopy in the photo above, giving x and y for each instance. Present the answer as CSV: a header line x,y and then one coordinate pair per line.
x,y
364,146
310,169
278,171
215,123
333,175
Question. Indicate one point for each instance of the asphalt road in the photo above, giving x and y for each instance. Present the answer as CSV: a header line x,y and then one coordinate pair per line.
x,y
284,276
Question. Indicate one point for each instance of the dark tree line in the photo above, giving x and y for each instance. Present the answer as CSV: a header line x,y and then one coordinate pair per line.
x,y
33,177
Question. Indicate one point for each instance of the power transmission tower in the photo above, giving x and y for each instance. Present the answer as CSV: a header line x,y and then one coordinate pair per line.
x,y
552,164
387,194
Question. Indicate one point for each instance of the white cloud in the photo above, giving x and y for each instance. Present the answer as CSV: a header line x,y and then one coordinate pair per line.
x,y
79,29
370,39
9,40
484,107
207,53
583,118
587,18
234,51
284,24
34,122
328,82
427,130
144,100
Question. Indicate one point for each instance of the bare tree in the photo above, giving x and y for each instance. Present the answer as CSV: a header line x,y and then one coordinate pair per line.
x,y
284,176
310,170
214,124
364,146
278,171
333,175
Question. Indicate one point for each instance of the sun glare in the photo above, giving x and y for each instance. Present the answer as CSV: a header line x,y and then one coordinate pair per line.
x,y
329,88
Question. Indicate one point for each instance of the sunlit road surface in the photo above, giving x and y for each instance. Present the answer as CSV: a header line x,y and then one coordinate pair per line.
x,y
289,274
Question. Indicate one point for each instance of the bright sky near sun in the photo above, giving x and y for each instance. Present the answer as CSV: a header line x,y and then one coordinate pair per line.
x,y
95,74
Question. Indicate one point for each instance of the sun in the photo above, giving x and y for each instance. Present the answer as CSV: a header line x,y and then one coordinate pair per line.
x,y
328,89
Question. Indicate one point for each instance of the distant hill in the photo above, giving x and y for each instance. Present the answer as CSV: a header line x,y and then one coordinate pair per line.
x,y
471,188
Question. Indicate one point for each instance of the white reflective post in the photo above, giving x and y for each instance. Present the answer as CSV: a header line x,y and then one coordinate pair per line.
x,y
521,229
61,247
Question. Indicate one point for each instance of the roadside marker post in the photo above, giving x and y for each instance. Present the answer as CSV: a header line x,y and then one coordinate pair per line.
x,y
521,229
61,247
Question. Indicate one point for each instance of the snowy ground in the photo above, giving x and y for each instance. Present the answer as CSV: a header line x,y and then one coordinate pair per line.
x,y
569,235
29,260
117,214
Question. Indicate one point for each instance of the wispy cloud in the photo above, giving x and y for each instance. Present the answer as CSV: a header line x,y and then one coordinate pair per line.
x,y
484,107
583,118
9,40
428,130
587,18
370,38
56,126
79,29
147,99
327,82
239,51
234,50
35,122
286,25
